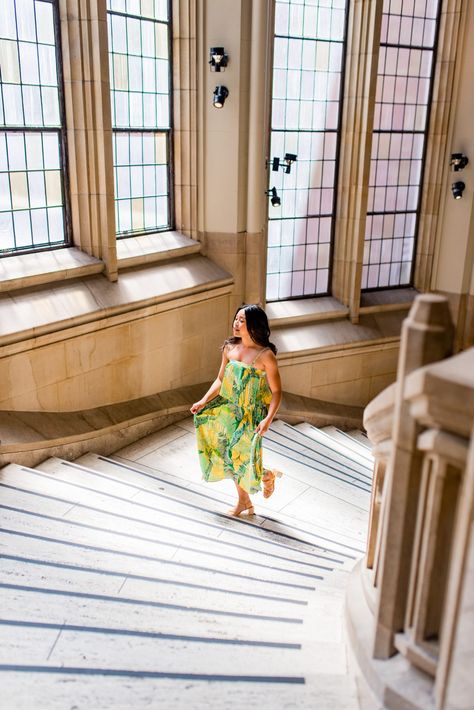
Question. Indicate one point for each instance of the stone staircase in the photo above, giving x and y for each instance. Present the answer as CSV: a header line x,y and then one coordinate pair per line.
x,y
123,582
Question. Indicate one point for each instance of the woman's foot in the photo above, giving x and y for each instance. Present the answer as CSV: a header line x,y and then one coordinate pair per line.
x,y
269,482
242,508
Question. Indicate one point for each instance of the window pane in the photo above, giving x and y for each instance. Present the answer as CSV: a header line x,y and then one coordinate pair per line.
x,y
28,188
309,51
31,156
140,88
400,126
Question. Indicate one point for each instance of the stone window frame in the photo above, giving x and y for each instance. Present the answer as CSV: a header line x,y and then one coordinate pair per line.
x,y
84,42
28,128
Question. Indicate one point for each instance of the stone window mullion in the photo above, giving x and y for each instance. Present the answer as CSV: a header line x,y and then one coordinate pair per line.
x,y
356,145
89,129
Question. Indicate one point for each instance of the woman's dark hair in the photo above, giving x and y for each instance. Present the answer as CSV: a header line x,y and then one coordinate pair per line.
x,y
257,326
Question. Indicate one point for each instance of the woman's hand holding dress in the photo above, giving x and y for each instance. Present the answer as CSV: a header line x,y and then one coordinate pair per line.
x,y
263,426
197,406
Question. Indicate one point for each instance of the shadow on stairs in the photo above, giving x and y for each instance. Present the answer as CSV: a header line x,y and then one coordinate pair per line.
x,y
124,583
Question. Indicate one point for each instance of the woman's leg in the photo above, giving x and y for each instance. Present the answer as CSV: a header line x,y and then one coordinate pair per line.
x,y
243,503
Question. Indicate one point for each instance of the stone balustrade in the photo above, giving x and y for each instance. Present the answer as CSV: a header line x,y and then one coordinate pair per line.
x,y
410,601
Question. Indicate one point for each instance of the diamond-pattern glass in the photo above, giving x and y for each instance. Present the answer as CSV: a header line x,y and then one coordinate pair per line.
x,y
31,140
139,58
405,75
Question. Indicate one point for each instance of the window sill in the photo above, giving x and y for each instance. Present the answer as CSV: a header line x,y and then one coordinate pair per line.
x,y
26,270
36,269
151,248
308,310
300,341
54,309
395,299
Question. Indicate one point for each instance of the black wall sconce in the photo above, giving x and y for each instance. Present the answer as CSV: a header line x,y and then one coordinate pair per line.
x,y
275,200
218,58
220,95
284,163
458,161
457,189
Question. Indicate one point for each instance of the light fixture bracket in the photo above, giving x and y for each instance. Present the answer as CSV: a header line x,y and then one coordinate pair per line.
x,y
283,163
218,58
274,197
458,161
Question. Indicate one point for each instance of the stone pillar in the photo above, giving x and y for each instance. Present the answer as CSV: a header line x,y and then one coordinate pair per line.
x,y
359,98
375,509
185,72
442,471
261,60
89,128
427,336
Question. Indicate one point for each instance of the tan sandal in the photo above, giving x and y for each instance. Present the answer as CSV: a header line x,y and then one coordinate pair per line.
x,y
269,482
246,512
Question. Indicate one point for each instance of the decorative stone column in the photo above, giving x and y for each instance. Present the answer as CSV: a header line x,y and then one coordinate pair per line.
x,y
185,72
357,123
261,59
89,128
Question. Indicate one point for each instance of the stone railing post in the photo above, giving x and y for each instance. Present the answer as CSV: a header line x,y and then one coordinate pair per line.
x,y
427,336
442,473
378,421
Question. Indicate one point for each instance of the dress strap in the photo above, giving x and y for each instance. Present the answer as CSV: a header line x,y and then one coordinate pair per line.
x,y
260,352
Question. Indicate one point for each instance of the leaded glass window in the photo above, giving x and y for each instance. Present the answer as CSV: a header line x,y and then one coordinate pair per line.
x,y
309,49
139,56
32,200
405,75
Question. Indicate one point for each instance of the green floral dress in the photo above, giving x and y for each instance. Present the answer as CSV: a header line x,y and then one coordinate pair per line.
x,y
228,446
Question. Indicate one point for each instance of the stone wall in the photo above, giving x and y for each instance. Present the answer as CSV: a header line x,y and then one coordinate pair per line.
x,y
116,359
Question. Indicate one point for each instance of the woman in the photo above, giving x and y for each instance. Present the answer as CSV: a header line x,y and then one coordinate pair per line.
x,y
238,408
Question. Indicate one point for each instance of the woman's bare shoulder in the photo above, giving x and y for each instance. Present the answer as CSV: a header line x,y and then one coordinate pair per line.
x,y
268,358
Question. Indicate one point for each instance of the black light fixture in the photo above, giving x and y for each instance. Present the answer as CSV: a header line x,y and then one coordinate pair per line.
x,y
457,189
458,161
285,164
275,200
218,58
220,95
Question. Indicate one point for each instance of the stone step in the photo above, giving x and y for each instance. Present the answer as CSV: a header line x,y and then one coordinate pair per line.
x,y
330,477
178,603
348,441
229,532
361,437
272,513
97,688
189,539
176,493
329,525
124,578
114,610
337,447
336,458
54,544
78,647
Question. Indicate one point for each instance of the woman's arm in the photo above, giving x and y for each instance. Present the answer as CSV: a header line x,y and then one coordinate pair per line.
x,y
213,390
273,378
